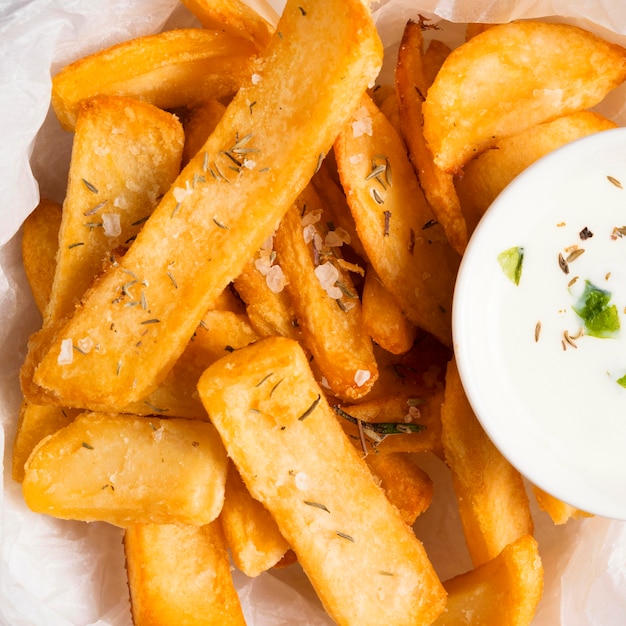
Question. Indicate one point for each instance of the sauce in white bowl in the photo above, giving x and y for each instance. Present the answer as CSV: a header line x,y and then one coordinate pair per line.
x,y
539,323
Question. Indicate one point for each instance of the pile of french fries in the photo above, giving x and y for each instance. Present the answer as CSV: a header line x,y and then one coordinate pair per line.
x,y
246,302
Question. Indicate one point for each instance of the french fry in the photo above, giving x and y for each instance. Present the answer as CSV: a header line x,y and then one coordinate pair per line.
x,y
170,69
125,155
560,512
203,243
504,590
326,304
490,172
35,423
406,486
110,468
180,574
233,17
436,53
403,244
522,73
490,493
352,544
383,319
395,423
438,186
270,311
40,242
252,536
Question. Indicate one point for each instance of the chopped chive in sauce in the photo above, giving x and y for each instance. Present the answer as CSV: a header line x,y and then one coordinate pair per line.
x,y
511,262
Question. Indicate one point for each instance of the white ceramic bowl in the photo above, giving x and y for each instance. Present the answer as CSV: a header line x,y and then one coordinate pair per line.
x,y
547,392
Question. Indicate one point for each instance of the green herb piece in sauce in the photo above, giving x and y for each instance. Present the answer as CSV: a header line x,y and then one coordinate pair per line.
x,y
622,381
601,318
511,261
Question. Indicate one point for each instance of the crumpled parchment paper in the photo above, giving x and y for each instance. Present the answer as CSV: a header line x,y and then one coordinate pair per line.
x,y
57,573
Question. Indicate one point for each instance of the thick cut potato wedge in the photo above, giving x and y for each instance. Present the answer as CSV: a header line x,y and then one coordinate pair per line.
x,y
214,219
171,69
40,242
365,563
406,486
325,301
490,492
490,172
404,245
233,17
125,470
252,535
383,319
511,77
505,590
125,156
180,574
35,423
438,186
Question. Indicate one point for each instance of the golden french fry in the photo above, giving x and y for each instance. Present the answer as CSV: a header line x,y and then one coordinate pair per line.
x,y
180,574
504,590
170,69
325,301
511,77
205,244
395,424
490,172
560,512
103,467
473,29
383,319
252,536
403,244
436,53
269,310
406,486
490,493
40,242
438,186
35,423
199,122
233,17
357,557
125,156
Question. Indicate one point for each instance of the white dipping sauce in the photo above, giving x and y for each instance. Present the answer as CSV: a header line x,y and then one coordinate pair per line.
x,y
546,391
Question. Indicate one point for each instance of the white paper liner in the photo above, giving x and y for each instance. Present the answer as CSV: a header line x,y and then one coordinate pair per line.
x,y
61,573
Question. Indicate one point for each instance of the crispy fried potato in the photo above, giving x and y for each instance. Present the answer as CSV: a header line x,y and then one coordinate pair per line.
x,y
40,242
204,245
35,423
353,545
233,17
125,156
408,251
269,310
505,590
560,512
490,172
436,53
438,186
199,122
103,467
326,304
383,319
252,535
490,493
170,69
511,77
180,574
395,423
406,486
